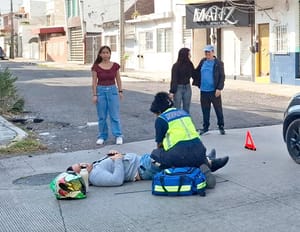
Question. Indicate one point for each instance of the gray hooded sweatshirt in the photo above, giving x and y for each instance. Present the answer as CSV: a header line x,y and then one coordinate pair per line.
x,y
110,172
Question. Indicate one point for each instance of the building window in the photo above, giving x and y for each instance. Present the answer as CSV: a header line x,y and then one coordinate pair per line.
x,y
149,40
75,8
164,39
48,18
72,8
281,39
111,41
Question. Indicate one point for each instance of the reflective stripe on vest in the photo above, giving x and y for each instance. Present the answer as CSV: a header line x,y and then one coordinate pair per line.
x,y
180,127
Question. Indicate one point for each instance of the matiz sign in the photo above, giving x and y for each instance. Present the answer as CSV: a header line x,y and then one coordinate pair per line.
x,y
215,15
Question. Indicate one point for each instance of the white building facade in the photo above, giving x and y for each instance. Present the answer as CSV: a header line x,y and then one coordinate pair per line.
x,y
229,27
277,37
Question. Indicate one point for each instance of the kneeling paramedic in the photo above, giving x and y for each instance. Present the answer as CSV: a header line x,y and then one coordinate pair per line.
x,y
178,142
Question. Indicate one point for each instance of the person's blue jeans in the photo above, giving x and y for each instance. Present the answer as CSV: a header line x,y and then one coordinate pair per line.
x,y
147,169
183,95
108,102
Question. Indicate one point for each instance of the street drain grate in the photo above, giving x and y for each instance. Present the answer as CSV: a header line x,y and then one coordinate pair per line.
x,y
39,179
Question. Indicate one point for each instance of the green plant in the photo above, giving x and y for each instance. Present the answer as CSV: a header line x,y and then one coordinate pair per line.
x,y
28,145
9,99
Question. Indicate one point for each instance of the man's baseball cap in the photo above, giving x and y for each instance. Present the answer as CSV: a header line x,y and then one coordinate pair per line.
x,y
209,48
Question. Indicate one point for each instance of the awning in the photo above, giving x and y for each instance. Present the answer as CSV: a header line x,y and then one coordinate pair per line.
x,y
48,30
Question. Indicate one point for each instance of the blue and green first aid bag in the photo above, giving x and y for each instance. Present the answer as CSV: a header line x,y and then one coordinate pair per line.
x,y
182,181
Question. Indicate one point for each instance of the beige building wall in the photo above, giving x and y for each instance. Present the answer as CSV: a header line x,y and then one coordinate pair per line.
x,y
199,41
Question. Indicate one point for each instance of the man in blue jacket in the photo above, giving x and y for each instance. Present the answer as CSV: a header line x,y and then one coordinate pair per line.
x,y
210,78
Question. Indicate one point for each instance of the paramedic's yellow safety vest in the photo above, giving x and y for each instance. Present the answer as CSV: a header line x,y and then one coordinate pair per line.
x,y
181,127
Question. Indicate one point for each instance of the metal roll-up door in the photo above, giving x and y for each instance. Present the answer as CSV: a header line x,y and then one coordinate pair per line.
x,y
76,44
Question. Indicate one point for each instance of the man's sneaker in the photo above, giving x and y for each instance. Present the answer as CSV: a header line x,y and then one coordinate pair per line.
x,y
210,178
222,131
100,141
212,155
218,163
119,140
203,131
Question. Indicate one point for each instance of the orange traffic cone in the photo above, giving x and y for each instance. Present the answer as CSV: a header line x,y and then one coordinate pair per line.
x,y
249,144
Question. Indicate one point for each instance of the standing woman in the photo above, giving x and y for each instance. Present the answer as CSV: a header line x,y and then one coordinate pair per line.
x,y
182,72
107,95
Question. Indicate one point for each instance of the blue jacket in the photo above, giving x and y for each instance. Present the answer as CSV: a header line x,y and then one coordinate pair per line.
x,y
219,74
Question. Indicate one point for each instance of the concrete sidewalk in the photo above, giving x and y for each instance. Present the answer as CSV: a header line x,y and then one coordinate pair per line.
x,y
257,191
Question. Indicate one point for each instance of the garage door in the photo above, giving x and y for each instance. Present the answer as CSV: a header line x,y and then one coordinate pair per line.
x,y
76,45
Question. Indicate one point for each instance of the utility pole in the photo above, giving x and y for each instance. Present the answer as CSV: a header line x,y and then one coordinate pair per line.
x,y
12,45
122,36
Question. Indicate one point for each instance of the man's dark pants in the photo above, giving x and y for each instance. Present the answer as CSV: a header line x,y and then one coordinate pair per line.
x,y
206,99
190,153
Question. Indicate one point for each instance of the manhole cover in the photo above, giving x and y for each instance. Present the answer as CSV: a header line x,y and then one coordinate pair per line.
x,y
39,179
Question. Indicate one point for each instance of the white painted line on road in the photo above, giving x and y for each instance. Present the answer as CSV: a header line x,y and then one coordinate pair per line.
x,y
92,123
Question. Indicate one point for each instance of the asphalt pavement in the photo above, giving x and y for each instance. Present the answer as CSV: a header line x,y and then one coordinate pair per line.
x,y
256,191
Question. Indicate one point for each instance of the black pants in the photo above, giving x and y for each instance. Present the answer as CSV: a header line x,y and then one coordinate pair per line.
x,y
206,99
183,154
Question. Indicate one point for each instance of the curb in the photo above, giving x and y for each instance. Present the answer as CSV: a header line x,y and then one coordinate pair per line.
x,y
19,133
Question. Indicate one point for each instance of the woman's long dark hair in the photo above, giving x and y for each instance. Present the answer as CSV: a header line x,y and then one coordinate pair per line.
x,y
99,58
183,56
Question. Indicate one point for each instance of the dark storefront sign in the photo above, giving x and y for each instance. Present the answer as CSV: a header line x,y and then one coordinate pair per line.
x,y
218,14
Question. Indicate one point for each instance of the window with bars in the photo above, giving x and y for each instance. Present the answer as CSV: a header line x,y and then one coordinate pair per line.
x,y
164,39
149,40
111,41
281,39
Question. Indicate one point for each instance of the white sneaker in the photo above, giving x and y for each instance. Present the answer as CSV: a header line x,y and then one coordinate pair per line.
x,y
100,141
119,140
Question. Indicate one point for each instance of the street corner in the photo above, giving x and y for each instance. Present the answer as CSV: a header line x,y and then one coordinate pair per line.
x,y
10,133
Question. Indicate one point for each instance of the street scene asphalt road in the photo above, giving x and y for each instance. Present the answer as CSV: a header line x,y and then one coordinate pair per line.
x,y
256,191
61,98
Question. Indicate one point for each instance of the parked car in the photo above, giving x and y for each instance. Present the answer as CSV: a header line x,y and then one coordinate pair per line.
x,y
291,128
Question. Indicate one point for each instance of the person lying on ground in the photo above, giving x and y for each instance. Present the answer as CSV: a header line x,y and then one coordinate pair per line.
x,y
117,168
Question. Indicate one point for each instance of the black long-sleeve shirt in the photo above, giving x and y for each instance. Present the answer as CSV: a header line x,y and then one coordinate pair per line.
x,y
181,75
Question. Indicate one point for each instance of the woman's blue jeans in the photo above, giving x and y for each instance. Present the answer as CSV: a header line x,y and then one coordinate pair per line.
x,y
108,102
183,95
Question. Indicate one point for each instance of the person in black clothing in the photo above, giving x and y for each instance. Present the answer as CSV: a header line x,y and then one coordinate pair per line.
x,y
180,87
210,79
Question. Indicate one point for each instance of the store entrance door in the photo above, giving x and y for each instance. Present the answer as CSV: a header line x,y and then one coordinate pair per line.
x,y
264,50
